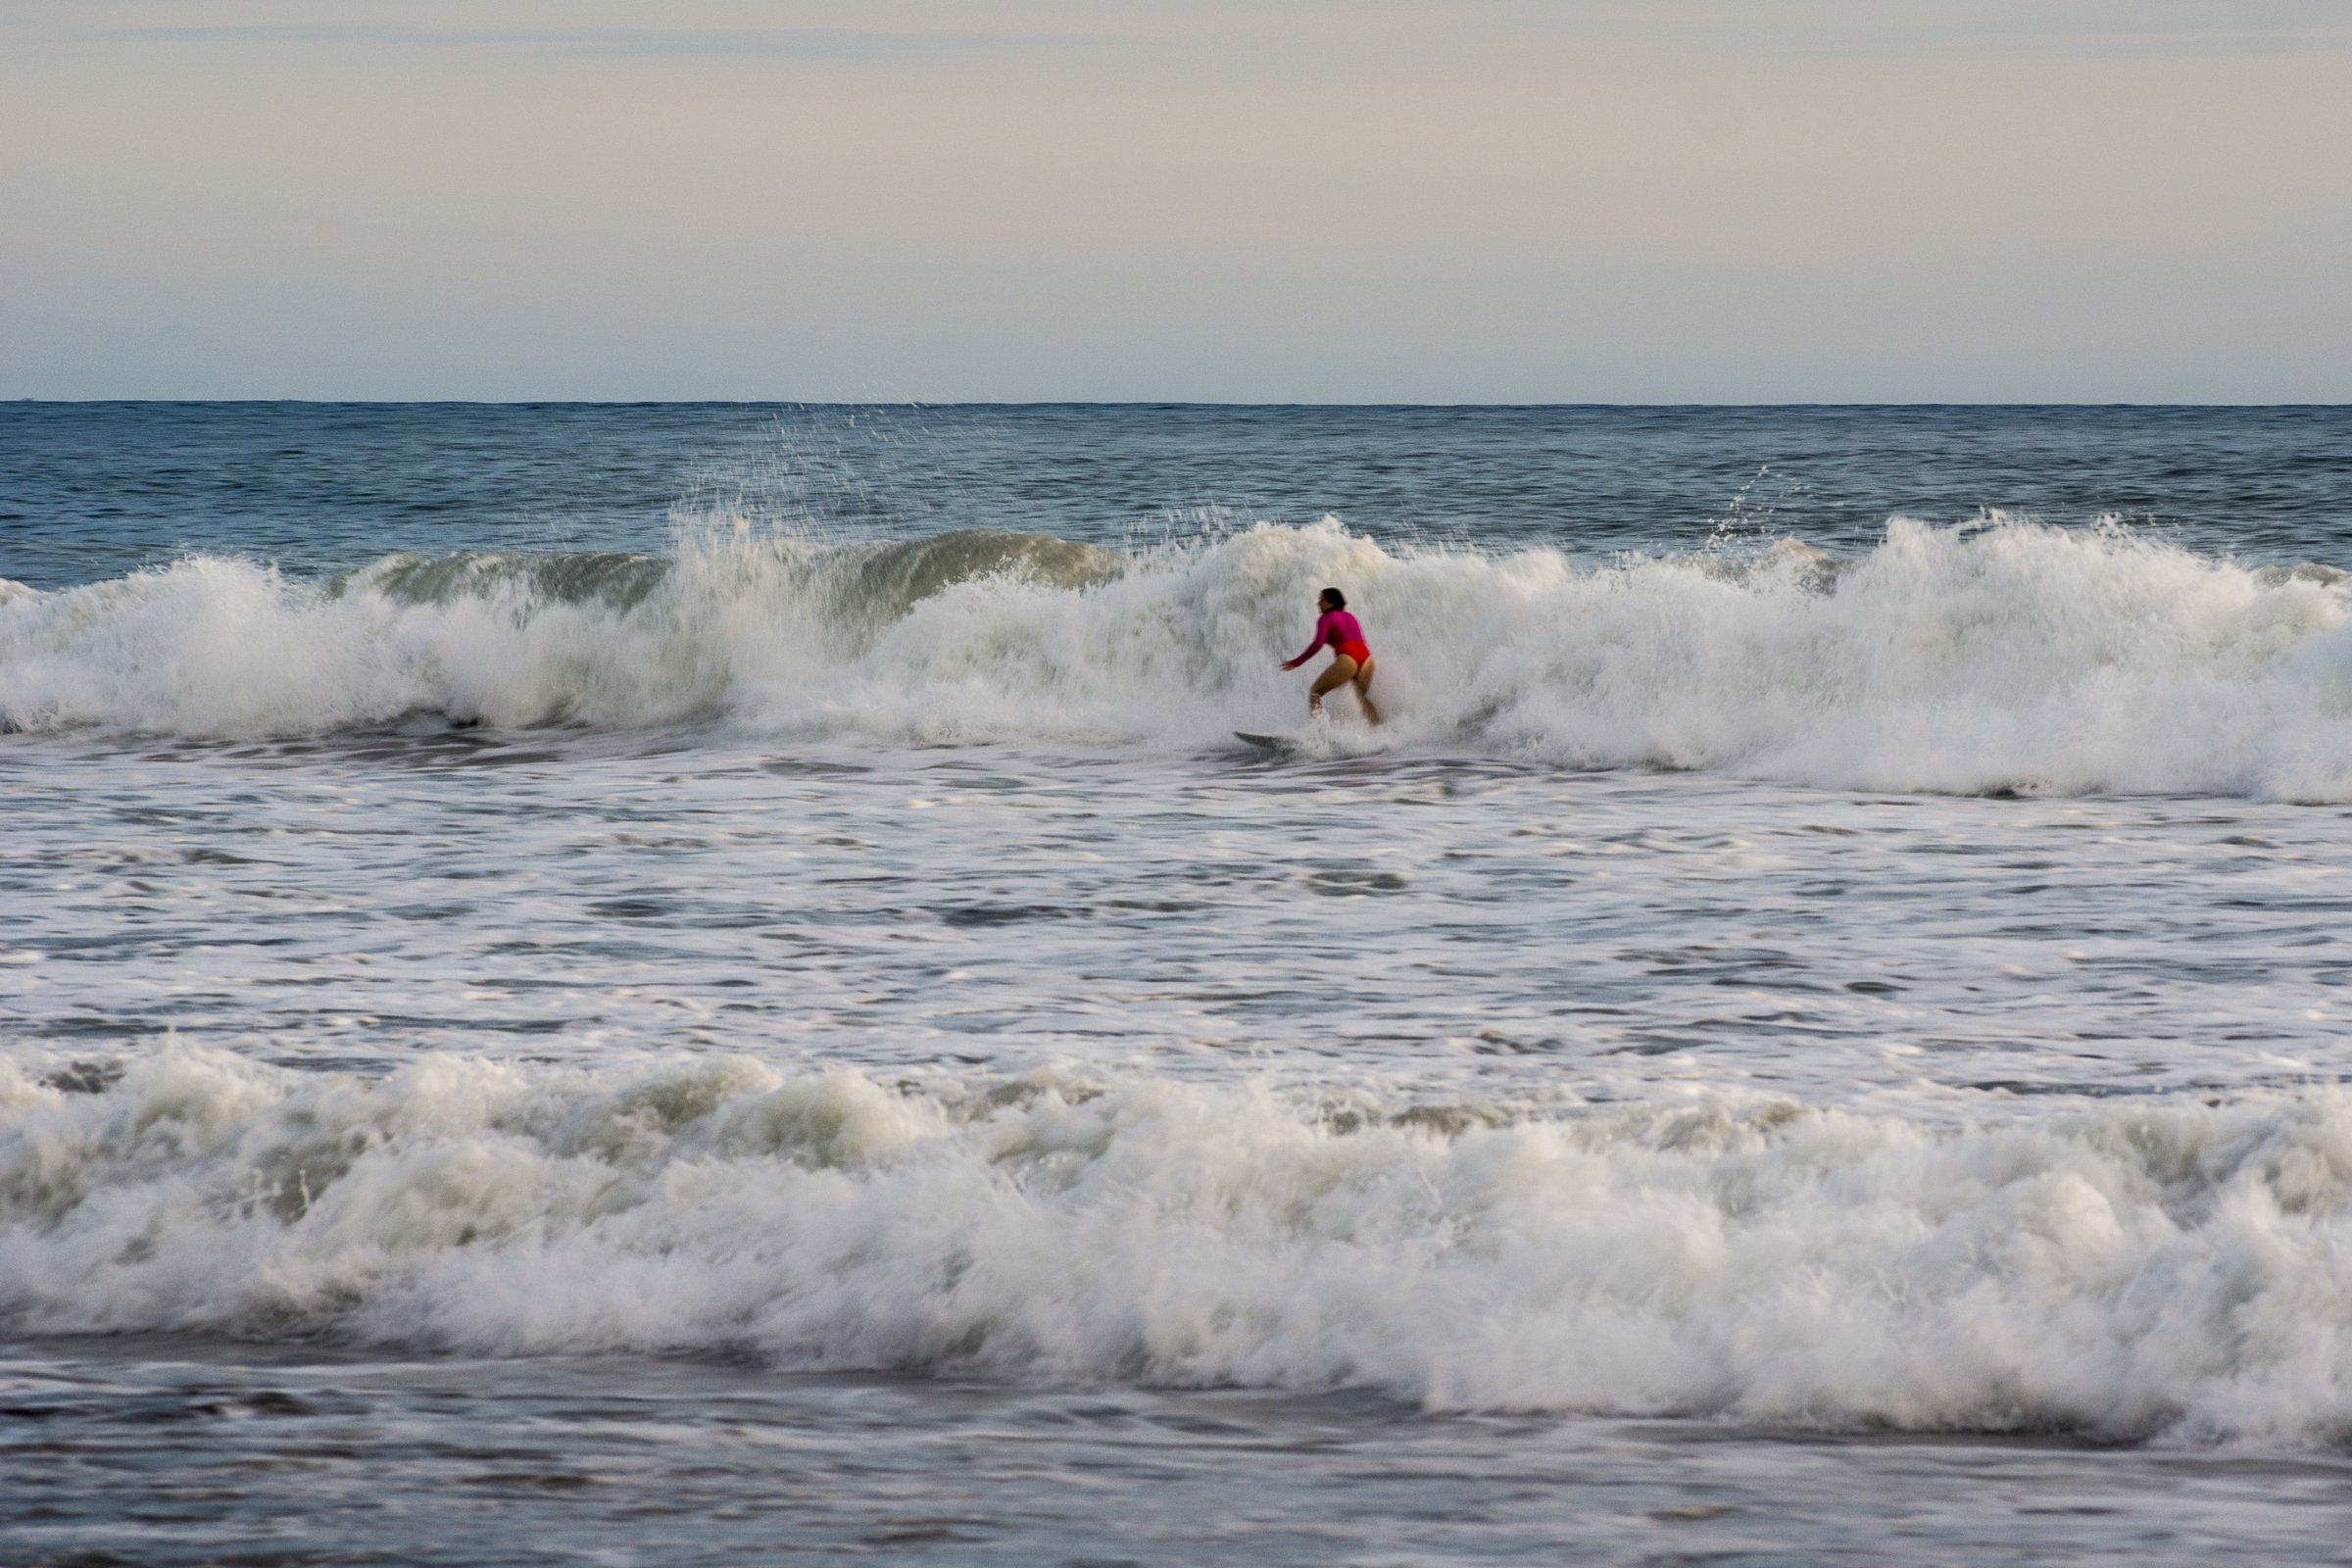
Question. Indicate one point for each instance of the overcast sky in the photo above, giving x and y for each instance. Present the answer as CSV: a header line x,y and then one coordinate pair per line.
x,y
1282,200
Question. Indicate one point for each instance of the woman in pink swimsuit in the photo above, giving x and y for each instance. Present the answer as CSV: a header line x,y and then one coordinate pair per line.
x,y
1351,658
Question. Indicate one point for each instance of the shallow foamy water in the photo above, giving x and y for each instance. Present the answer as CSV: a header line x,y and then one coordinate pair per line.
x,y
1404,922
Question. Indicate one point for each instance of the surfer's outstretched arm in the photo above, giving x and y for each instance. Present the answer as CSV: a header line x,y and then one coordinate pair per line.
x,y
1322,635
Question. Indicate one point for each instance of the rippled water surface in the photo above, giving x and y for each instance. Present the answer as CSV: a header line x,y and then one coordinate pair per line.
x,y
289,1456
671,985
1420,920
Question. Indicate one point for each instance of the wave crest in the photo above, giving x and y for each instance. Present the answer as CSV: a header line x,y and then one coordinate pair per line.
x,y
2003,656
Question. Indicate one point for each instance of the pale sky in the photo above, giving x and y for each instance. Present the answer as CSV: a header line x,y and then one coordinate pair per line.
x,y
1251,200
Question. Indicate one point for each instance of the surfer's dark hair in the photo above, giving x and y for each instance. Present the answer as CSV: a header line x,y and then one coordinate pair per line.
x,y
1339,599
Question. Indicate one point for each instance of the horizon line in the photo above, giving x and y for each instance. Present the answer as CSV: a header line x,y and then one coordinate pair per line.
x,y
1149,403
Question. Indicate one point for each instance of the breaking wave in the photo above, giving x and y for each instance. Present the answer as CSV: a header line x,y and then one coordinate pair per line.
x,y
1999,655
2173,1269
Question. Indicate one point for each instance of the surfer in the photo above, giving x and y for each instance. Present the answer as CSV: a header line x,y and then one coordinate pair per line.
x,y
1350,656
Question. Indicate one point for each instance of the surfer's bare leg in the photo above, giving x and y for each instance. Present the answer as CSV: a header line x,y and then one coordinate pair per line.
x,y
1363,692
1337,675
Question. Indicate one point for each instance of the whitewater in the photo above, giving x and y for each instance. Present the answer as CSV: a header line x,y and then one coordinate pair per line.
x,y
2134,1272
569,967
1972,658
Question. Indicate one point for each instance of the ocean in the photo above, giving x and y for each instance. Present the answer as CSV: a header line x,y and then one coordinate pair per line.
x,y
703,984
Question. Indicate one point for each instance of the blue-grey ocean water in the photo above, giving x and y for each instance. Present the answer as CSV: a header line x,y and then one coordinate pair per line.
x,y
710,982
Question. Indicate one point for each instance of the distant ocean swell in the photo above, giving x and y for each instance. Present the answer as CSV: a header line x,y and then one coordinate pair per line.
x,y
2160,1269
1989,657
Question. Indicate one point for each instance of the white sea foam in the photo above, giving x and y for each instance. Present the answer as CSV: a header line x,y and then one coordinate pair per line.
x,y
1998,656
2171,1269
